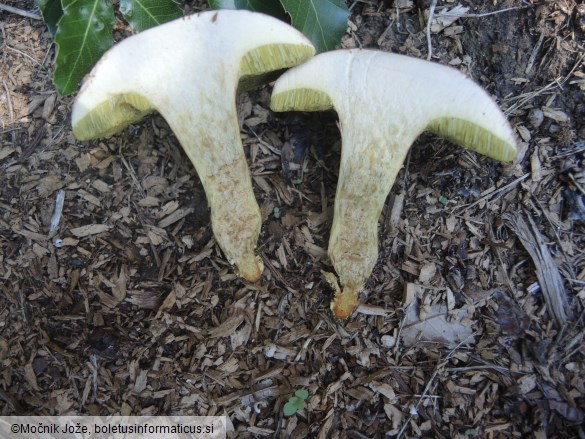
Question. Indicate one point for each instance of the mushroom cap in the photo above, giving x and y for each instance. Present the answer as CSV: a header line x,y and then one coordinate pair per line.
x,y
397,96
142,73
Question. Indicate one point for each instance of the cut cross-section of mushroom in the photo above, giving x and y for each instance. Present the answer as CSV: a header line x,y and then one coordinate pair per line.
x,y
189,70
384,102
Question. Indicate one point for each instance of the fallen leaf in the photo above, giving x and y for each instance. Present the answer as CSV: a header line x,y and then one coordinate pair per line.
x,y
436,327
447,17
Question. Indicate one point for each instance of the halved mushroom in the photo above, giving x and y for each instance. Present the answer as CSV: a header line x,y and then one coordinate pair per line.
x,y
189,70
384,102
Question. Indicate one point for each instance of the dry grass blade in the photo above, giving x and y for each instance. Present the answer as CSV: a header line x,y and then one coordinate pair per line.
x,y
547,272
17,11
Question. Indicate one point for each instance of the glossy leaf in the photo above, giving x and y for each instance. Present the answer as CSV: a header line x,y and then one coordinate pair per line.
x,y
51,11
143,14
322,21
84,33
270,7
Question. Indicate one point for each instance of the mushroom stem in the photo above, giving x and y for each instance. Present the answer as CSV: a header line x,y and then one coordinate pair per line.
x,y
222,168
365,178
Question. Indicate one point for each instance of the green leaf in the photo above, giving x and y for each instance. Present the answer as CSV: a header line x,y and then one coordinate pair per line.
x,y
143,14
84,33
270,7
289,409
302,393
52,11
322,21
293,405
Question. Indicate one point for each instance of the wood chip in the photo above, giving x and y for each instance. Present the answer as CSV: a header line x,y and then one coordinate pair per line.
x,y
90,229
177,215
547,271
228,327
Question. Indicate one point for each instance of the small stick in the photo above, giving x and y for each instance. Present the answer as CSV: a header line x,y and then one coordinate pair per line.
x,y
132,173
557,83
24,54
491,194
308,340
485,14
57,214
429,43
440,366
576,183
9,101
20,12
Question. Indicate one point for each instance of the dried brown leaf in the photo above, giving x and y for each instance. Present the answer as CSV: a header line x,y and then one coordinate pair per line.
x,y
435,327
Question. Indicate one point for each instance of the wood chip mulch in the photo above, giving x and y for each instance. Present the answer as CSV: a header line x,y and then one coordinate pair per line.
x,y
115,298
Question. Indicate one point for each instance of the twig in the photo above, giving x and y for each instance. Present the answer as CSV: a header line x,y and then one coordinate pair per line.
x,y
9,101
20,12
24,54
478,367
308,340
485,14
440,366
501,265
557,83
502,189
388,28
94,375
447,14
57,213
402,323
577,148
576,183
132,173
527,97
534,54
266,144
429,43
